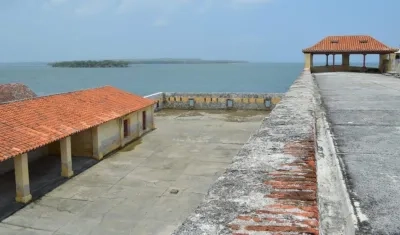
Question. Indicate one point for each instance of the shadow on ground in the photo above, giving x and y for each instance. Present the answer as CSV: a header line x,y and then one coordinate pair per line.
x,y
44,174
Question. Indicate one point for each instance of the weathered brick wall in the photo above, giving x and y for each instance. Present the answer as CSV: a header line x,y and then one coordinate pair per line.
x,y
271,186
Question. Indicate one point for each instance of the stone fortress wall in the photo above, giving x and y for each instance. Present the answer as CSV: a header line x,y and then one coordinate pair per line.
x,y
215,101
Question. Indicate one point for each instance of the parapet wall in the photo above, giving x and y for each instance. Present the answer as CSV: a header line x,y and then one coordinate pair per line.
x,y
159,97
216,101
271,186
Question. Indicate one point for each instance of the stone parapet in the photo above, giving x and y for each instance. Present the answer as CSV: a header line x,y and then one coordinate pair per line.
x,y
271,186
216,101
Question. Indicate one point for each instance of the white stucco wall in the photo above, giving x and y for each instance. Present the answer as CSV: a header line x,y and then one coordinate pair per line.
x,y
133,127
109,136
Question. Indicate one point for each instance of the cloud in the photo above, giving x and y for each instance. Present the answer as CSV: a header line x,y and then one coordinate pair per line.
x,y
50,4
159,9
57,2
92,7
250,1
125,6
160,23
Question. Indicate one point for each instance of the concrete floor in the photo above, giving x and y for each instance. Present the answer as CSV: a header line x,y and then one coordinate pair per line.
x,y
130,191
364,112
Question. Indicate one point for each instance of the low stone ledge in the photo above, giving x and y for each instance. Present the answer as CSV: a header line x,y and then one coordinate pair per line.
x,y
271,186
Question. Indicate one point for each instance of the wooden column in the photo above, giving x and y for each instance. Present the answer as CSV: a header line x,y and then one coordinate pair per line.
x,y
364,61
333,63
327,57
346,61
23,192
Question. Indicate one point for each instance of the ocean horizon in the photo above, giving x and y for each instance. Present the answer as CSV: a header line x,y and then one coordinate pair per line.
x,y
145,79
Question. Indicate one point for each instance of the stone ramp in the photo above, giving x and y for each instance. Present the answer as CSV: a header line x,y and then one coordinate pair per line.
x,y
270,188
364,113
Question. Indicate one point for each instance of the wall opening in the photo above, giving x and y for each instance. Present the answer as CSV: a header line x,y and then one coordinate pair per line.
x,y
126,128
229,103
191,102
319,60
144,120
267,103
82,143
338,59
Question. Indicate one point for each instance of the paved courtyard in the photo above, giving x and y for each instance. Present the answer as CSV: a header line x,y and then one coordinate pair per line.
x,y
150,186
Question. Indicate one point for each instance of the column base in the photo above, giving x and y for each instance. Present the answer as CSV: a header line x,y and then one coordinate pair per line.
x,y
24,199
98,157
67,174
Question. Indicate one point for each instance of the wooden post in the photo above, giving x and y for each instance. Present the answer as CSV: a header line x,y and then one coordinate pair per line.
x,y
364,61
333,62
326,64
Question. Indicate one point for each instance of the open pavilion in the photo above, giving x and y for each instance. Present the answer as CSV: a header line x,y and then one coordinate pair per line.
x,y
346,46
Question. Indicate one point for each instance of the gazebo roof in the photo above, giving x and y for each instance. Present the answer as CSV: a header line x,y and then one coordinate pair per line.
x,y
356,44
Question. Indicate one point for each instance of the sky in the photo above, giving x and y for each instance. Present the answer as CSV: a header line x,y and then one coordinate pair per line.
x,y
253,30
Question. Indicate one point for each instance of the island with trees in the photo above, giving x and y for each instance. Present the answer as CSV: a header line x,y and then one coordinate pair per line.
x,y
91,64
127,63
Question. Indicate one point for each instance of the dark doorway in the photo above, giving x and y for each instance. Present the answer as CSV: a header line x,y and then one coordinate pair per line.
x,y
126,128
144,120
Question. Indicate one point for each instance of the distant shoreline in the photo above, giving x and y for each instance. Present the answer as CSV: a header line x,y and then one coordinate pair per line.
x,y
126,63
91,64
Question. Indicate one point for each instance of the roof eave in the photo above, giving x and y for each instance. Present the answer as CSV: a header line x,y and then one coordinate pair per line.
x,y
347,51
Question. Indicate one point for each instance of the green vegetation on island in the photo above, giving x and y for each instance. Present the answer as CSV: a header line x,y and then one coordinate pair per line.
x,y
182,61
91,64
126,63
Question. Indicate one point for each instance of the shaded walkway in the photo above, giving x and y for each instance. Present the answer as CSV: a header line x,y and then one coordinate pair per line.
x,y
364,112
44,174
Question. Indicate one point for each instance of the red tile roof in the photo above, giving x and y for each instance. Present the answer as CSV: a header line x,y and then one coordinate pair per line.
x,y
350,44
29,124
15,91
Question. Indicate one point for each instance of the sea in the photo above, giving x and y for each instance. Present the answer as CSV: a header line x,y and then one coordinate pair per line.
x,y
149,79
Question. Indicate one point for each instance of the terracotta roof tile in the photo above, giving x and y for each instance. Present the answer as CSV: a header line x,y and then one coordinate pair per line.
x,y
31,123
350,44
15,91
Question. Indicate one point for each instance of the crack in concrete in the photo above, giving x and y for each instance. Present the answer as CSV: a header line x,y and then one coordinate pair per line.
x,y
26,227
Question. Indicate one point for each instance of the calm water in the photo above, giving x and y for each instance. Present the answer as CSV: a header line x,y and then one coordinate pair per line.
x,y
147,79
